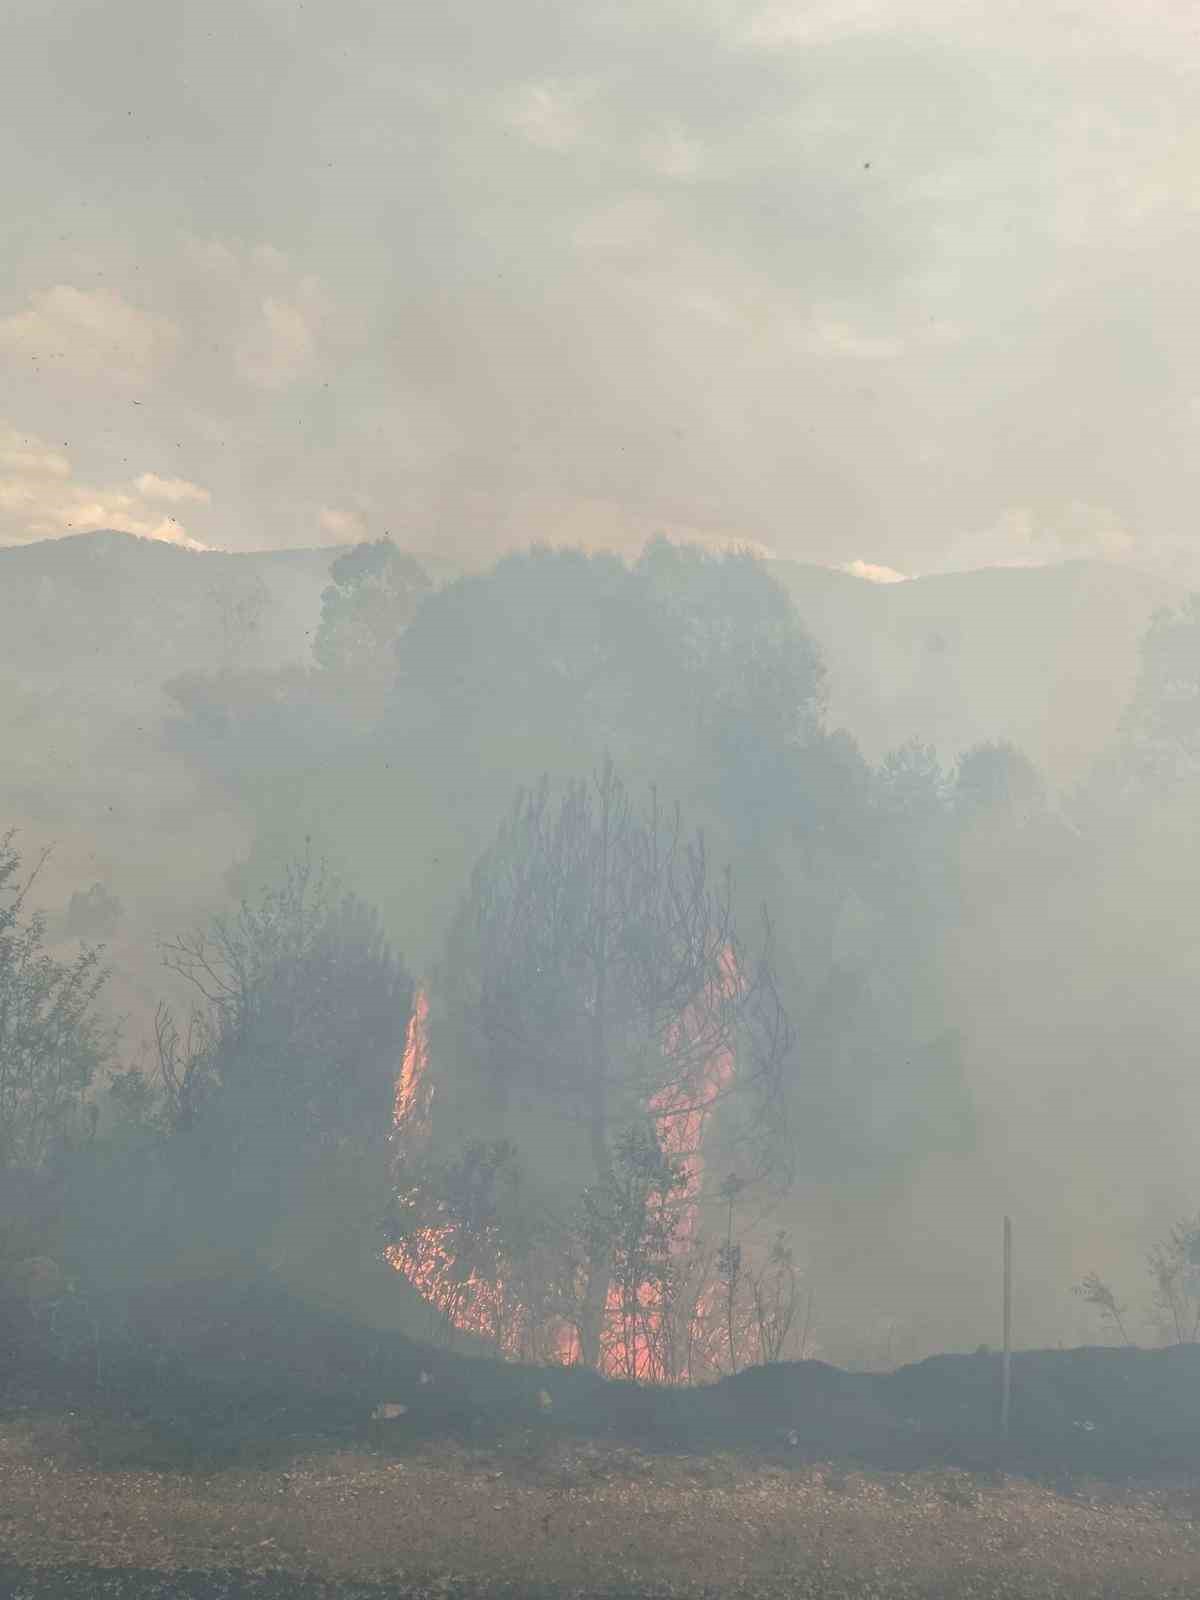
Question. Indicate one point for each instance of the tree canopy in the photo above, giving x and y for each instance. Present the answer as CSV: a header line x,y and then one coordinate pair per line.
x,y
594,980
53,1044
374,590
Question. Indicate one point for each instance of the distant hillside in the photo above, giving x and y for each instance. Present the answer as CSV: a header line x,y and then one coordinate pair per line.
x,y
109,602
1044,656
99,621
91,626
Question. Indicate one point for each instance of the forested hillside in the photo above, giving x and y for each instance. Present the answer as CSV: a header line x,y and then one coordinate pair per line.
x,y
916,806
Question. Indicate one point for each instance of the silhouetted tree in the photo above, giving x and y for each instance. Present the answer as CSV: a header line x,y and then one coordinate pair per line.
x,y
292,1055
1160,732
92,913
240,609
691,669
998,782
52,1043
1175,1271
1154,759
632,1217
375,590
594,974
257,730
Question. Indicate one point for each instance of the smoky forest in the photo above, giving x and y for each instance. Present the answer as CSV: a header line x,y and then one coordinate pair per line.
x,y
528,968
599,798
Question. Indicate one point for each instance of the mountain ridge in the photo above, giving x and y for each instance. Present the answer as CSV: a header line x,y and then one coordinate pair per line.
x,y
1043,656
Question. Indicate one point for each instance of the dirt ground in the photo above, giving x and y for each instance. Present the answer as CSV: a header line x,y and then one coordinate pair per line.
x,y
283,1456
532,1514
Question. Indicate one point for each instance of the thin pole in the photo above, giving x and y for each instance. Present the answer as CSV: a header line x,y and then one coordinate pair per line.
x,y
1006,1359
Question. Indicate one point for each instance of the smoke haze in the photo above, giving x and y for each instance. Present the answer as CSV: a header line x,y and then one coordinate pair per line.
x,y
905,284
895,300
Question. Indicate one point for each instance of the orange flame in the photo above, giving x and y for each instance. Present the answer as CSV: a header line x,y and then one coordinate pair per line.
x,y
473,1304
411,1110
632,1339
633,1346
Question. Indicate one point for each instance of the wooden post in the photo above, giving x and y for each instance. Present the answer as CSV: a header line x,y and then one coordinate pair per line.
x,y
1006,1358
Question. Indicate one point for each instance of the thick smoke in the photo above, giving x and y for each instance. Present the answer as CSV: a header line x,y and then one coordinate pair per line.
x,y
902,284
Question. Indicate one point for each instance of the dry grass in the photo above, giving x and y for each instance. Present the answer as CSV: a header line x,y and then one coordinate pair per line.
x,y
578,1518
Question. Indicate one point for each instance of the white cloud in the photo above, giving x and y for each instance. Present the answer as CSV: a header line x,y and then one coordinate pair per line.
x,y
255,305
280,347
873,572
40,498
1022,537
175,491
675,155
1094,531
548,114
343,525
831,335
629,229
89,333
23,455
807,22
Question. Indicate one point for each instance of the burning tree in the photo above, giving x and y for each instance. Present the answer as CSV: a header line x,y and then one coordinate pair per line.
x,y
595,1008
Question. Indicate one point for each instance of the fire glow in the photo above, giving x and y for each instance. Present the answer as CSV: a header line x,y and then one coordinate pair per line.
x,y
635,1333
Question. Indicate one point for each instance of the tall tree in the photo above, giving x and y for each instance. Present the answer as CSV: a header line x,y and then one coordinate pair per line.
x,y
52,1043
1161,729
555,657
288,1070
1155,756
595,975
374,591
743,681
690,667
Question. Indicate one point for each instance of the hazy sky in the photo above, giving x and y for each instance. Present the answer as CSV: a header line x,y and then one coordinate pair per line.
x,y
904,282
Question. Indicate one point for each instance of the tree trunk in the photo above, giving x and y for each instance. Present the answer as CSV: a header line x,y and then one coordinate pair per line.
x,y
599,1265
